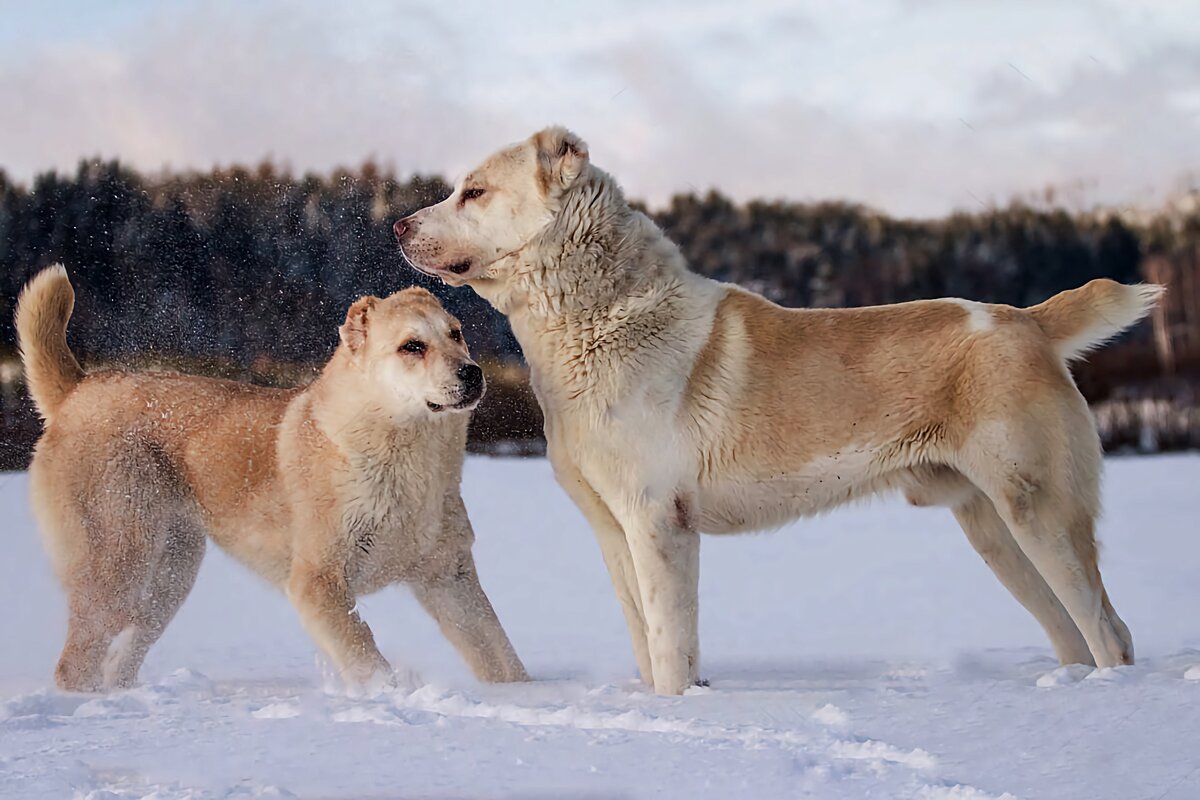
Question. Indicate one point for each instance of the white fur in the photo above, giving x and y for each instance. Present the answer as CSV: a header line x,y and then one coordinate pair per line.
x,y
616,330
979,318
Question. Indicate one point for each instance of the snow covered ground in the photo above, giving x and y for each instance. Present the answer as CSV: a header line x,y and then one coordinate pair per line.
x,y
868,653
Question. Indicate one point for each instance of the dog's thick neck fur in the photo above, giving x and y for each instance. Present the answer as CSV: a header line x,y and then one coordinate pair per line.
x,y
597,286
596,253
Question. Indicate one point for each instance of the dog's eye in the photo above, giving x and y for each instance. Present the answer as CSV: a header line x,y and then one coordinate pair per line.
x,y
471,194
414,346
455,335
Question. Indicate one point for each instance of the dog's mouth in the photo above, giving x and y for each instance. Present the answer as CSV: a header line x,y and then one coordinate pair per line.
x,y
412,263
457,268
461,405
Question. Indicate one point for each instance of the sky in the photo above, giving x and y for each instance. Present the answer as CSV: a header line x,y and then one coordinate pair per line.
x,y
915,107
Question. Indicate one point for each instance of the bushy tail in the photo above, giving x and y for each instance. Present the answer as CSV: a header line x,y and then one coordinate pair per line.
x,y
51,371
1080,320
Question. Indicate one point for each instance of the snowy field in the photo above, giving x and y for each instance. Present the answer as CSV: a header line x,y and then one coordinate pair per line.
x,y
868,653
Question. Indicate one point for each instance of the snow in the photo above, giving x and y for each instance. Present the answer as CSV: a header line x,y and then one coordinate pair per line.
x,y
868,653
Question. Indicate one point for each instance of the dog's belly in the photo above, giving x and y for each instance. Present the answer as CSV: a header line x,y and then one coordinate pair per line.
x,y
261,543
740,503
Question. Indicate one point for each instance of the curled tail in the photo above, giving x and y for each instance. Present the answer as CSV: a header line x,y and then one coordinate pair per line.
x,y
51,371
1080,320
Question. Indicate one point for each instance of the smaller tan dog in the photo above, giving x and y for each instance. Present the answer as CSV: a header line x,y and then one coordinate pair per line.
x,y
330,492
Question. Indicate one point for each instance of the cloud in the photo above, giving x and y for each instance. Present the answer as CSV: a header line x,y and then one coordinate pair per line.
x,y
206,88
914,107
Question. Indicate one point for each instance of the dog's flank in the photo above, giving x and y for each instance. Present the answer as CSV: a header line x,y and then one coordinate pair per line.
x,y
657,384
329,492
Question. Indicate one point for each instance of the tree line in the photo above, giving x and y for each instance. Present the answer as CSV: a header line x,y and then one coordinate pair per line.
x,y
248,269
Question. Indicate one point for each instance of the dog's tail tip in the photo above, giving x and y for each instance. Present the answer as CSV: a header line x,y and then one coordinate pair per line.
x,y
43,310
1078,321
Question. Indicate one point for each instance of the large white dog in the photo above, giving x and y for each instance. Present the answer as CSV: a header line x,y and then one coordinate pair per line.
x,y
675,404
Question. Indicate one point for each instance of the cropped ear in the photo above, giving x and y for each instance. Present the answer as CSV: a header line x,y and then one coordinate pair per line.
x,y
561,157
354,330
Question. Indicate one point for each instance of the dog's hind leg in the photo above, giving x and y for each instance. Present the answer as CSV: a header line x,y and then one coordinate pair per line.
x,y
172,576
71,542
991,538
91,628
101,568
118,534
1054,543
1042,474
1118,624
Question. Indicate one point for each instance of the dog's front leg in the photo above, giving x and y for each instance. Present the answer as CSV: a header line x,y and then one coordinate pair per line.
x,y
615,549
666,555
465,615
327,609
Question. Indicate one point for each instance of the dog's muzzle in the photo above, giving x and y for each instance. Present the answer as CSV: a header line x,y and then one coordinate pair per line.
x,y
470,377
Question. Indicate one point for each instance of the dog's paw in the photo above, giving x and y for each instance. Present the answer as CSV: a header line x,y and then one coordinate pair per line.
x,y
404,678
381,679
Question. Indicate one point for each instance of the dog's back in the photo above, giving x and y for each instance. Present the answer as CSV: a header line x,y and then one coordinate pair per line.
x,y
212,441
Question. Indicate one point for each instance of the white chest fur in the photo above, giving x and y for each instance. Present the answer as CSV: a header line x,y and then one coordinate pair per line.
x,y
392,514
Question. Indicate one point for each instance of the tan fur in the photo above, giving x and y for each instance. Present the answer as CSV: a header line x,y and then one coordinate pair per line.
x,y
329,492
676,404
1080,320
51,371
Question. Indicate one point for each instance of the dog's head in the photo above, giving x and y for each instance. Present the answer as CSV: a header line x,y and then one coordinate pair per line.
x,y
412,354
496,210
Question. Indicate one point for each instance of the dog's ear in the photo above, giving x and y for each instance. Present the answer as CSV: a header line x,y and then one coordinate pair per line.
x,y
561,156
354,330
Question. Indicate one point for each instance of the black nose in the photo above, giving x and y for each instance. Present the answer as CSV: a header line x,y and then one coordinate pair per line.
x,y
472,380
471,375
400,228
